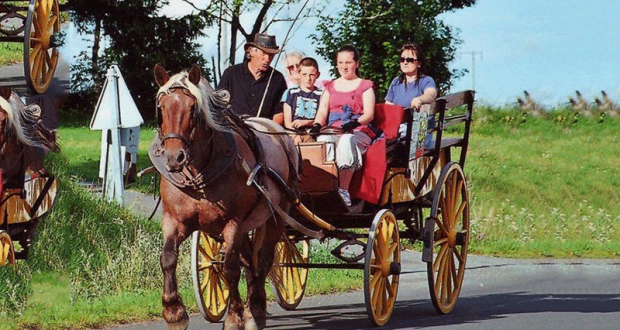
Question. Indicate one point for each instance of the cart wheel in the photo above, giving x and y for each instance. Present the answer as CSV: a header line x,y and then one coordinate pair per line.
x,y
449,235
7,253
210,287
382,268
40,53
289,283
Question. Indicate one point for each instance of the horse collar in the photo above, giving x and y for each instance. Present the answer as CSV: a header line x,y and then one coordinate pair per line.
x,y
223,149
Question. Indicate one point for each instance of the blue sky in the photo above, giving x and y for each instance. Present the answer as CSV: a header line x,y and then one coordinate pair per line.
x,y
549,48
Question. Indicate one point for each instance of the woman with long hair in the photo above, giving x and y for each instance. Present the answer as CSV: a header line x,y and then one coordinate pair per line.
x,y
348,103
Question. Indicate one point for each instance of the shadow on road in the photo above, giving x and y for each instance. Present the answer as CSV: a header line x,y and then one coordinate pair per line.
x,y
418,314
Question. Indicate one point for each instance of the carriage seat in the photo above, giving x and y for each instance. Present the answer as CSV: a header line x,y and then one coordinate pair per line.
x,y
368,182
388,117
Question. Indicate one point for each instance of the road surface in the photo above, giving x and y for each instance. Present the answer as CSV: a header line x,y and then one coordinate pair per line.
x,y
497,293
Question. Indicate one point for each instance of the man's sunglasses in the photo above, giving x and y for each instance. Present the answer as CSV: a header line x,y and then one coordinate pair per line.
x,y
407,59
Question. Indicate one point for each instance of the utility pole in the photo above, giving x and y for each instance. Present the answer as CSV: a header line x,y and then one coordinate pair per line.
x,y
473,66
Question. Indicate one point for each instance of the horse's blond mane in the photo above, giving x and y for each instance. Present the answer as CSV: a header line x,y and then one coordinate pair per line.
x,y
208,101
22,119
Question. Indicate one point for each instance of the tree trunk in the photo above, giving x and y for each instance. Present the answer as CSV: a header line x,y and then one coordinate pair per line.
x,y
233,32
95,56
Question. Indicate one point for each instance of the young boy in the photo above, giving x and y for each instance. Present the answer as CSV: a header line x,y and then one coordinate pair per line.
x,y
303,101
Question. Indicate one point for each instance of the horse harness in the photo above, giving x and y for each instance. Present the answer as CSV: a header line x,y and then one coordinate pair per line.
x,y
223,152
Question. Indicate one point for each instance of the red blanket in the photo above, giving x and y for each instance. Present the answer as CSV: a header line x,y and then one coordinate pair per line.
x,y
368,182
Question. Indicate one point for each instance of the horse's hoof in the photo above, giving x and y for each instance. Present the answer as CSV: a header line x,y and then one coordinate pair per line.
x,y
231,326
181,325
250,325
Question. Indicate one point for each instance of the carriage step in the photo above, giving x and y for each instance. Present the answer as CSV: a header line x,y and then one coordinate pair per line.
x,y
427,239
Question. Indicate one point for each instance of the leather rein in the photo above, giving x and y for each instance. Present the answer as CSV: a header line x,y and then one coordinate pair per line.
x,y
214,165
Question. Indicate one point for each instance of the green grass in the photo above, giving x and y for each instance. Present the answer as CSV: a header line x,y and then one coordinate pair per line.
x,y
539,188
82,148
545,187
11,52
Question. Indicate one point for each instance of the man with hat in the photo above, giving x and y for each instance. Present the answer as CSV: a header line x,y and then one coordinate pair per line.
x,y
246,82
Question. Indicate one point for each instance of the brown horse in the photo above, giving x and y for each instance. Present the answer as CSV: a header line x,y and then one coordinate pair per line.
x,y
23,139
205,159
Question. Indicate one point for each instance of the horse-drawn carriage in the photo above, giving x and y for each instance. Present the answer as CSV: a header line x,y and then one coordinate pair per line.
x,y
27,191
36,23
21,208
418,196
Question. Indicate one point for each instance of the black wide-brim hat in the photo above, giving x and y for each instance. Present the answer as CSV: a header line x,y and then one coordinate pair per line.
x,y
264,42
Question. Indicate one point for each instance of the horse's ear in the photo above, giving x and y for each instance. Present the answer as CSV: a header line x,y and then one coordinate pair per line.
x,y
194,74
161,76
5,92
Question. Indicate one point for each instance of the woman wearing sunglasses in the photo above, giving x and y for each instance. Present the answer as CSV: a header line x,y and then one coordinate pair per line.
x,y
413,88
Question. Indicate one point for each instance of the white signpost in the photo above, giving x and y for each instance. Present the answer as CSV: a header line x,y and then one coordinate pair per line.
x,y
117,116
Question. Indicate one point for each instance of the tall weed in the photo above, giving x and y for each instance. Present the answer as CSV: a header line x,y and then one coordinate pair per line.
x,y
15,286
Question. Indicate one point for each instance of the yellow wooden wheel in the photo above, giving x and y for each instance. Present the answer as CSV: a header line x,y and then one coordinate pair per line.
x,y
450,236
210,286
40,53
289,282
382,268
7,253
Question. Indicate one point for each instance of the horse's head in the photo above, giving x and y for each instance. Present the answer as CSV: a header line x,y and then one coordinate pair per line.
x,y
179,113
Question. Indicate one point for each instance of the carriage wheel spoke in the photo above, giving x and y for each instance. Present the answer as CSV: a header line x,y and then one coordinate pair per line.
x,y
453,183
458,256
440,241
205,265
454,273
34,53
37,25
37,65
441,226
448,279
384,298
48,59
440,254
390,287
43,67
205,284
378,256
442,270
459,189
445,213
297,277
220,294
51,22
378,292
204,253
460,210
375,277
392,249
291,288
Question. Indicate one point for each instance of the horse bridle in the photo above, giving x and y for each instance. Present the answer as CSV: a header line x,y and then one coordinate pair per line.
x,y
181,137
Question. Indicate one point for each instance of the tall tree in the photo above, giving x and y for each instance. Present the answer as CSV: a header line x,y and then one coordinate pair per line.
x,y
227,16
138,37
378,28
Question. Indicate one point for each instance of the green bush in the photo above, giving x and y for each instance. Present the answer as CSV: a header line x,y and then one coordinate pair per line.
x,y
104,247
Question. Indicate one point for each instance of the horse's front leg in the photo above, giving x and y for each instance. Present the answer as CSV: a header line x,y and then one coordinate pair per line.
x,y
256,308
232,272
174,311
